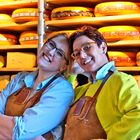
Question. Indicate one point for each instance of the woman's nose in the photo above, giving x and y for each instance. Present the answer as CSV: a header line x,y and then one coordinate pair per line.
x,y
52,52
83,54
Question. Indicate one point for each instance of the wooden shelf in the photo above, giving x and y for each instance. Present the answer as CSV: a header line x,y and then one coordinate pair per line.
x,y
133,19
16,69
19,27
81,2
17,47
129,69
133,69
11,5
128,44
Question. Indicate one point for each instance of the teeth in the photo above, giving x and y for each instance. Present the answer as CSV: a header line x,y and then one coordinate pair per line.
x,y
46,58
87,61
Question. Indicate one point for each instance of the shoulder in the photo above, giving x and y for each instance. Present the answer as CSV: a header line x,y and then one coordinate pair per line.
x,y
122,78
59,86
122,83
62,81
21,75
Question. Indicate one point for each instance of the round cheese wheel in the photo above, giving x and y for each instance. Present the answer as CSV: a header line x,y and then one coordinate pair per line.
x,y
71,12
2,61
122,59
25,14
28,37
137,78
28,14
138,59
8,39
5,19
116,8
116,33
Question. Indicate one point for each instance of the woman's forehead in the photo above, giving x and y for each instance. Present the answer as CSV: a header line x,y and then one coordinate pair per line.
x,y
81,40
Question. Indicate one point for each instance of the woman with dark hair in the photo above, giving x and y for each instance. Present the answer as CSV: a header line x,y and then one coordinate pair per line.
x,y
108,107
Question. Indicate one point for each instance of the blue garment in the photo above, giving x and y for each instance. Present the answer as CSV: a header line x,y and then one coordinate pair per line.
x,y
101,73
47,113
104,70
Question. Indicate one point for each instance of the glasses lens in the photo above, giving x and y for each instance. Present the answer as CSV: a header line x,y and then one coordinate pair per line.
x,y
59,53
51,45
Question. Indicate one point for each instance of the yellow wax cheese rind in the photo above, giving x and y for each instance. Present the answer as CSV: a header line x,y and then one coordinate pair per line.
x,y
4,80
21,60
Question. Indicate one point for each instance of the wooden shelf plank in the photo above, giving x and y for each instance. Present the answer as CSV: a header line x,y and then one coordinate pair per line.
x,y
16,69
133,69
19,27
128,43
11,5
133,19
17,47
81,2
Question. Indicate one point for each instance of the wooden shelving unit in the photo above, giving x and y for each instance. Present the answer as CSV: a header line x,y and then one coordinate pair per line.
x,y
68,24
11,27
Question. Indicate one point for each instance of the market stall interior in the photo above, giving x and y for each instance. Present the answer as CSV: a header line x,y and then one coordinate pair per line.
x,y
24,24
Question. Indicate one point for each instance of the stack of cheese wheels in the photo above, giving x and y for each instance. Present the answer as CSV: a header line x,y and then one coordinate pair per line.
x,y
138,59
2,61
8,39
21,60
70,12
116,8
137,77
6,19
122,58
4,80
117,33
28,37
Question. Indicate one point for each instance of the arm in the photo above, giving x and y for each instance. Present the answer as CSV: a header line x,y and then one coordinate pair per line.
x,y
13,86
46,114
128,104
6,127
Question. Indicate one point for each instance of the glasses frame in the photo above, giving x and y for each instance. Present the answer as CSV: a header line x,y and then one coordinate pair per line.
x,y
52,47
83,49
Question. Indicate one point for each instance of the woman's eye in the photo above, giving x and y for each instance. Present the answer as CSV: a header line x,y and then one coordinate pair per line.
x,y
52,46
59,53
77,53
86,48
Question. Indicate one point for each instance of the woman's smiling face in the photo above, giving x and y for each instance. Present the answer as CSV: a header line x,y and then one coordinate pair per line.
x,y
54,54
88,54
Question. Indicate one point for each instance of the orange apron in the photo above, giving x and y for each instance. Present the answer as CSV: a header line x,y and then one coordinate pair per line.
x,y
82,117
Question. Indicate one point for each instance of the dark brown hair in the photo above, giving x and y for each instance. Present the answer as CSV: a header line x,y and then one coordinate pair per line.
x,y
91,33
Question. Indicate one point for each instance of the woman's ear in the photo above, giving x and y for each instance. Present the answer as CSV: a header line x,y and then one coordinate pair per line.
x,y
63,67
104,47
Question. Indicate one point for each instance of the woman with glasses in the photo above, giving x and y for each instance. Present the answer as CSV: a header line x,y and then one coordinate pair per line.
x,y
108,107
35,103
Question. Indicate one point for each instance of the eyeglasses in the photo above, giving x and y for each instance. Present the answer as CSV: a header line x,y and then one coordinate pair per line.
x,y
50,45
85,48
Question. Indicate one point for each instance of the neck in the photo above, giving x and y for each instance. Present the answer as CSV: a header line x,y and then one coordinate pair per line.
x,y
43,75
93,74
